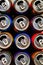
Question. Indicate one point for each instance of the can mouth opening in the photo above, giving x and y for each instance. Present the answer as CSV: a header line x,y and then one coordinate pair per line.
x,y
36,3
3,37
39,19
40,59
2,56
20,57
20,3
21,19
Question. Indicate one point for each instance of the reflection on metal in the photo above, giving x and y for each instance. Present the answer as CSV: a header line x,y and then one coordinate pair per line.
x,y
22,58
38,58
38,23
5,22
22,41
21,23
37,5
21,6
4,5
6,40
37,40
5,58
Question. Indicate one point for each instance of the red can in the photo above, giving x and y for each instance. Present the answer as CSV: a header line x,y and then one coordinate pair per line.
x,y
37,41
